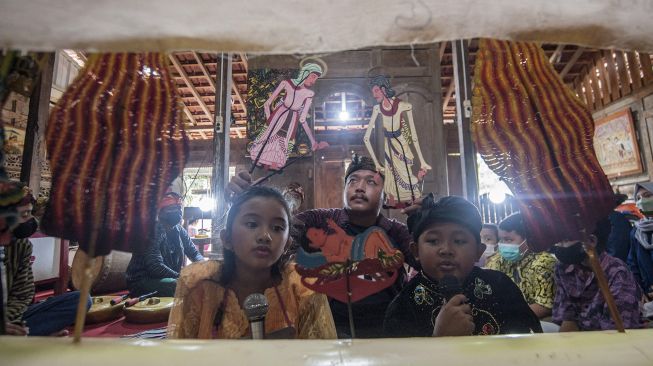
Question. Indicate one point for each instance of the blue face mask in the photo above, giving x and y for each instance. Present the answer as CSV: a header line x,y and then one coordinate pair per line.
x,y
510,252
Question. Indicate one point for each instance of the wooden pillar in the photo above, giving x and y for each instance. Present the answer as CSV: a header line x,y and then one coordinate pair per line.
x,y
222,123
379,137
463,119
435,151
39,110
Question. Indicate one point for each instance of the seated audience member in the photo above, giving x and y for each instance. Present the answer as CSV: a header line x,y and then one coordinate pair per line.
x,y
157,269
192,227
210,295
579,304
48,317
363,197
294,194
489,237
618,243
446,244
532,272
640,257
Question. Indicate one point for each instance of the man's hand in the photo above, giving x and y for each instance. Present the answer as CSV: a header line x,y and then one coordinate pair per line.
x,y
238,183
16,330
569,326
414,207
649,293
454,319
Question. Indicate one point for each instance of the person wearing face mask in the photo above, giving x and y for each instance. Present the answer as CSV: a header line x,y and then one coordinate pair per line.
x,y
532,272
48,317
157,269
579,304
640,256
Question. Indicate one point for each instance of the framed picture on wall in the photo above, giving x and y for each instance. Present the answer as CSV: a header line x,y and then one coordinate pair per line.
x,y
615,143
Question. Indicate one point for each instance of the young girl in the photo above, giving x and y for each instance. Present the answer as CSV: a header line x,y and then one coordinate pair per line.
x,y
210,294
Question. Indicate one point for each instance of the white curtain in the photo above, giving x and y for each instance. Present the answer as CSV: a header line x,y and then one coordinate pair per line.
x,y
289,26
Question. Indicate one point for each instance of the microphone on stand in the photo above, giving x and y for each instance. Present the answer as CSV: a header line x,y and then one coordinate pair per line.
x,y
256,307
450,286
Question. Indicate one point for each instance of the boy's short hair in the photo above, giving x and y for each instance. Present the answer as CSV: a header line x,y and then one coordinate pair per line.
x,y
514,222
492,227
447,209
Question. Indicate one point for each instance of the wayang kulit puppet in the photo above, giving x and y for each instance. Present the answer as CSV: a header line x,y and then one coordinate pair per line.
x,y
285,110
402,183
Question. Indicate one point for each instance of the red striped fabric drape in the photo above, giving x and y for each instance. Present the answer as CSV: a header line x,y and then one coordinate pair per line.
x,y
115,142
536,135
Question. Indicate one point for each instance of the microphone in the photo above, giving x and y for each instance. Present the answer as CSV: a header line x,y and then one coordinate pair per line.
x,y
450,286
256,307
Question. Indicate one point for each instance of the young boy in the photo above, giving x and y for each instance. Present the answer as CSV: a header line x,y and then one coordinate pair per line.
x,y
450,296
579,304
532,272
489,237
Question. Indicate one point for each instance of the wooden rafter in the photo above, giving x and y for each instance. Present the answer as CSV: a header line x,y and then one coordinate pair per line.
x,y
190,85
206,73
555,57
571,62
199,128
189,115
447,97
443,47
243,58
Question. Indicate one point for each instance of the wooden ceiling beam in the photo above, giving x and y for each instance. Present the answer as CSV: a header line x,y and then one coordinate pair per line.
x,y
447,96
182,72
243,58
189,115
555,57
234,83
571,62
443,47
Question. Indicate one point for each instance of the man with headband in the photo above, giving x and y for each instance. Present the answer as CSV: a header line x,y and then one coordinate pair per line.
x,y
363,198
157,269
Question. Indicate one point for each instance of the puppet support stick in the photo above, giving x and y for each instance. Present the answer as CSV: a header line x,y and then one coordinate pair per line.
x,y
280,171
605,289
350,312
84,292
600,278
3,291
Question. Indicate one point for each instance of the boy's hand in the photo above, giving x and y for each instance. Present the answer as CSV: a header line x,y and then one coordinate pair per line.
x,y
15,329
454,319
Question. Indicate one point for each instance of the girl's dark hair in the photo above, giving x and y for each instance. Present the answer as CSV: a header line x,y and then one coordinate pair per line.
x,y
514,222
492,227
229,262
